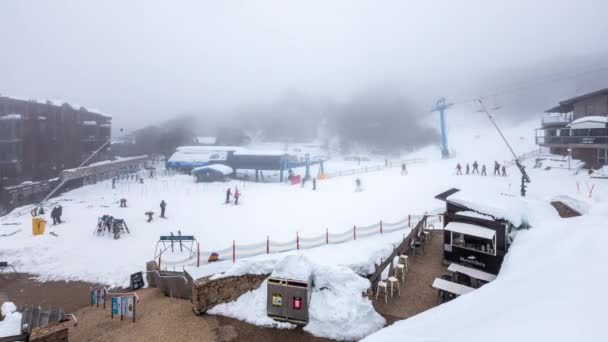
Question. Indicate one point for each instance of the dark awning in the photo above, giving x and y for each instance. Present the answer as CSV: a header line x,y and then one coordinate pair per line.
x,y
444,195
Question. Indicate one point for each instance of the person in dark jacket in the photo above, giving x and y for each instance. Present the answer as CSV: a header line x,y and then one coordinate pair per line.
x,y
228,194
314,184
59,213
163,206
54,215
468,168
237,195
504,171
458,169
496,168
483,170
403,169
475,167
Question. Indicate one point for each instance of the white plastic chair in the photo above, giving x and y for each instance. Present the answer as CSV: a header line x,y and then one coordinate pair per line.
x,y
383,284
392,280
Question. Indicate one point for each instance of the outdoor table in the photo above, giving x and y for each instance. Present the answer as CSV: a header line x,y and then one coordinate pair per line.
x,y
451,287
471,272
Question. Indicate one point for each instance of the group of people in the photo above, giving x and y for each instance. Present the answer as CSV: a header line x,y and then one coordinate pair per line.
x,y
112,225
237,195
497,169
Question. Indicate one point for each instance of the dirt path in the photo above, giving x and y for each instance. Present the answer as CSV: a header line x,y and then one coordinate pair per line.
x,y
417,295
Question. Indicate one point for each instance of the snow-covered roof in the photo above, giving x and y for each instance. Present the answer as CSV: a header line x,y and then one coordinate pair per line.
x,y
295,267
209,148
589,122
89,123
193,156
504,207
469,213
11,117
470,229
205,140
224,169
260,153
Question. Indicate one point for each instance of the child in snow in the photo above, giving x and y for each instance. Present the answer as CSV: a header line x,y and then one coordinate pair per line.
x,y
483,170
237,194
458,169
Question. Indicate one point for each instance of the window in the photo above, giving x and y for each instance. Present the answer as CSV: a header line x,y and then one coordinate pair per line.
x,y
602,156
474,243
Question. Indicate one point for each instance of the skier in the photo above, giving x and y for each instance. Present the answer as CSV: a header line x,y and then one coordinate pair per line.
x,y
475,167
403,169
41,211
237,194
228,194
458,169
483,170
123,202
467,168
358,184
496,168
163,205
504,171
113,183
314,184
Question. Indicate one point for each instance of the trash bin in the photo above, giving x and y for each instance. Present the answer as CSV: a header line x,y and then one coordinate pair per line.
x,y
288,299
38,225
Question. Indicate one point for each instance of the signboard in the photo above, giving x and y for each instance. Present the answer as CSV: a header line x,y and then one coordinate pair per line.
x,y
177,238
277,300
115,306
126,305
297,303
98,296
137,281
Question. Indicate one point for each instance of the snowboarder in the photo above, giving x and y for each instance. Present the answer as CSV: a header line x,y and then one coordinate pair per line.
x,y
163,206
504,171
228,194
150,214
41,210
237,194
314,184
403,169
496,168
458,169
467,168
475,167
483,170
123,202
54,215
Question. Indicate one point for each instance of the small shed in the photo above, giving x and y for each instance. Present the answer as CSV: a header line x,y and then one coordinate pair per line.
x,y
476,228
212,173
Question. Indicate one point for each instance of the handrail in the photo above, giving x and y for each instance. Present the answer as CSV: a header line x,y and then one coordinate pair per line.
x,y
73,317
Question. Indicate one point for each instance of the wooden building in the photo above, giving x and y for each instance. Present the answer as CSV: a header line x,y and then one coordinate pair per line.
x,y
578,127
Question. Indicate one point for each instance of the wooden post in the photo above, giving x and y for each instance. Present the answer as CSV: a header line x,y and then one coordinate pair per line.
x,y
380,227
198,258
327,236
354,232
267,244
233,251
297,240
134,305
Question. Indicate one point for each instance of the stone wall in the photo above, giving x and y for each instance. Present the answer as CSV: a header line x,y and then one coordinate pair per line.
x,y
50,333
207,293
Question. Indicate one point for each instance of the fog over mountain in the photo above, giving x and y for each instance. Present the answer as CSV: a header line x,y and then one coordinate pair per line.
x,y
284,67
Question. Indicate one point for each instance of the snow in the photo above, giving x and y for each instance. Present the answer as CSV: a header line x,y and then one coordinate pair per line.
x,y
224,169
475,215
589,122
11,324
499,206
89,123
550,270
11,117
260,153
337,310
293,267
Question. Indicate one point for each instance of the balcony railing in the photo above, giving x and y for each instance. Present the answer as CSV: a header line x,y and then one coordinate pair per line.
x,y
568,140
556,120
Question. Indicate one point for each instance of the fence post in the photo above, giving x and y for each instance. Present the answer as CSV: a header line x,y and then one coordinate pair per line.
x,y
159,255
409,221
233,251
327,236
298,240
198,255
380,227
354,232
267,244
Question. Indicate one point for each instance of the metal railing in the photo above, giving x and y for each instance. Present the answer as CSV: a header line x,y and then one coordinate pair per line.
x,y
565,140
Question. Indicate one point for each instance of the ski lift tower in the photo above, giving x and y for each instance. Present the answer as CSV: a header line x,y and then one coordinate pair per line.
x,y
441,106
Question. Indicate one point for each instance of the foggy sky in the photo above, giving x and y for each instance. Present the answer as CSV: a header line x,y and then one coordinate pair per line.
x,y
143,61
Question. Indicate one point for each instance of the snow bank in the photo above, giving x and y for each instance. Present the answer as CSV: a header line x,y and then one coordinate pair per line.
x,y
295,267
549,289
338,309
11,325
504,207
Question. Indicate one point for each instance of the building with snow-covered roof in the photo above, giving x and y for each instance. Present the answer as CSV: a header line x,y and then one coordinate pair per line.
x,y
476,228
578,127
212,173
